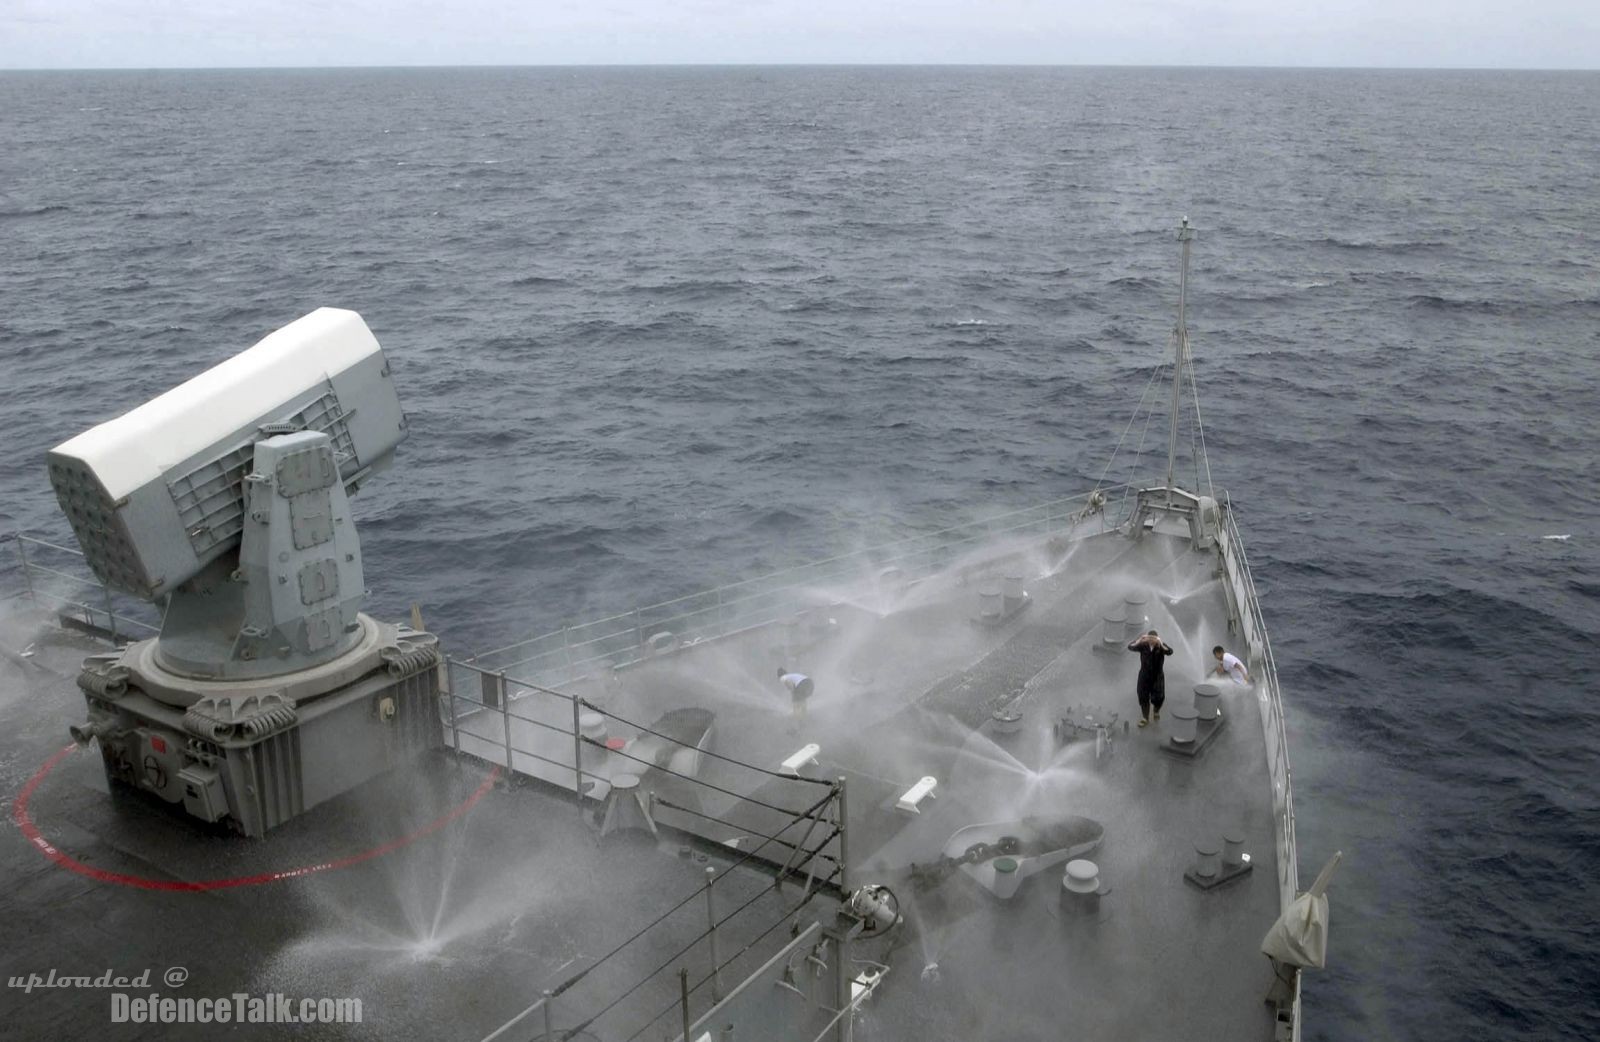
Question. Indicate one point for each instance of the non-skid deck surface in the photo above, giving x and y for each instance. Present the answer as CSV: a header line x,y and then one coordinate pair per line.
x,y
518,893
898,697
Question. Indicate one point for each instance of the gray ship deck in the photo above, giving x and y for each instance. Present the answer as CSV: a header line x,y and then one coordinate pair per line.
x,y
910,695
464,927
444,937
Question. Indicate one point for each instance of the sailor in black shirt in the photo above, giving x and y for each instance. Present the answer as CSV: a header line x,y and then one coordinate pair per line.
x,y
1152,687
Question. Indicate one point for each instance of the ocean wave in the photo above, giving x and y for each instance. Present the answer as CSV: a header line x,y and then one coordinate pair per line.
x,y
1585,588
37,211
1461,620
778,520
1122,335
1434,302
906,359
690,289
1377,245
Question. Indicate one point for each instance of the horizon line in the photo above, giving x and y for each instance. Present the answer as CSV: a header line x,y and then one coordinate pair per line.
x,y
801,65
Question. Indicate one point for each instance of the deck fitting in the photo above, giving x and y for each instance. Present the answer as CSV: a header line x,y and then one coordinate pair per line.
x,y
1204,732
1216,866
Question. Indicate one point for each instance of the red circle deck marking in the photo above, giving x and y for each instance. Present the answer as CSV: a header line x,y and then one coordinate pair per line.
x,y
19,814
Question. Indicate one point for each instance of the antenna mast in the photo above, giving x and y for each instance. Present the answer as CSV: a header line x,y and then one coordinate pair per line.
x,y
1180,346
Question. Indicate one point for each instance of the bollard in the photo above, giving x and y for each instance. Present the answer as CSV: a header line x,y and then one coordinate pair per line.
x,y
1207,701
1209,871
1015,596
1112,633
1006,877
1183,726
1080,888
1008,718
1135,621
1207,856
593,727
989,600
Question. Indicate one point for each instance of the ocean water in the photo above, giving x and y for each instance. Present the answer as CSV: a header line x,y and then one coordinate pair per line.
x,y
662,328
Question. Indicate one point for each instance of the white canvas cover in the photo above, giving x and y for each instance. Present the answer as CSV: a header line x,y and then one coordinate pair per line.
x,y
1300,936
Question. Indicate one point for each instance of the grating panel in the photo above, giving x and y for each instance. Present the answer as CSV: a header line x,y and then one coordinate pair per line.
x,y
210,497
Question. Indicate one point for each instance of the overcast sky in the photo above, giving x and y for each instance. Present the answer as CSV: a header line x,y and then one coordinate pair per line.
x,y
210,33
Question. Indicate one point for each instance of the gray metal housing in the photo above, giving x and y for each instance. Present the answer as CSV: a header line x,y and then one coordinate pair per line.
x,y
267,691
158,493
290,598
255,754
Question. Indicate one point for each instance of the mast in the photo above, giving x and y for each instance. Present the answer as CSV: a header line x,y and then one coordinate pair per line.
x,y
1180,347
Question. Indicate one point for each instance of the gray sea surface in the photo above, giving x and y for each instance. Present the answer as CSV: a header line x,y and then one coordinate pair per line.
x,y
658,329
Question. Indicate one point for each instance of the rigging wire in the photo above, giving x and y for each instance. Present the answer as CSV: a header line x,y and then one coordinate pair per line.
x,y
1139,453
1194,393
1194,458
1131,421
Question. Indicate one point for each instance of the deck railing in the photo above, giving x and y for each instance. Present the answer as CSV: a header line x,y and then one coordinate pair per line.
x,y
541,732
1272,722
58,579
1254,628
572,652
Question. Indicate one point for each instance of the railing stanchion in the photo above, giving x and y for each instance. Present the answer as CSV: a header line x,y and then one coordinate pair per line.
x,y
683,993
843,990
844,839
577,751
450,700
27,573
549,1015
711,934
505,715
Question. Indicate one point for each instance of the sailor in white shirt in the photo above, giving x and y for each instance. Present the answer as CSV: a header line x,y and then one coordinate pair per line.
x,y
800,688
1229,665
